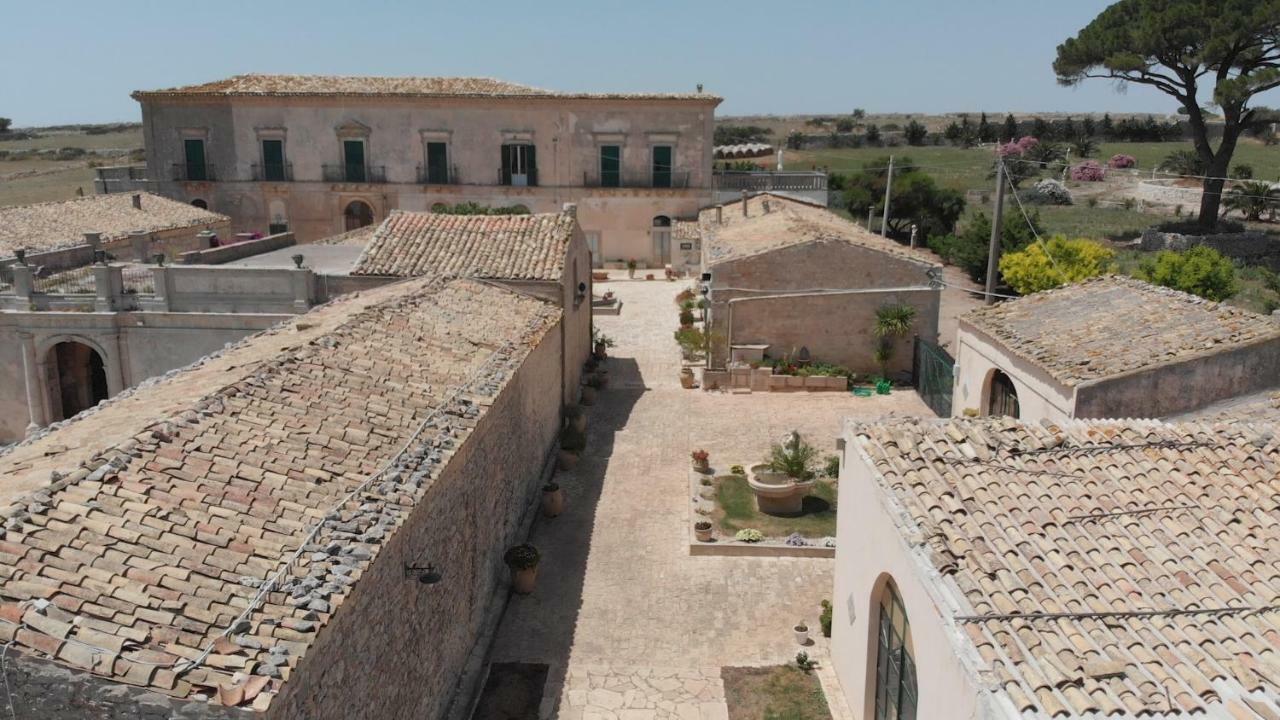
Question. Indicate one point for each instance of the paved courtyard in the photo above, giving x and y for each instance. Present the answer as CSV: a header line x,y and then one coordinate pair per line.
x,y
631,624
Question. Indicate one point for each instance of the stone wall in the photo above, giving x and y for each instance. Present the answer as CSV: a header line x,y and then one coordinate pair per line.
x,y
397,648
1251,248
237,251
1179,387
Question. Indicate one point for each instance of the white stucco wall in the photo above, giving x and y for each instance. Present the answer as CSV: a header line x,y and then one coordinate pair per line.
x,y
1040,397
870,550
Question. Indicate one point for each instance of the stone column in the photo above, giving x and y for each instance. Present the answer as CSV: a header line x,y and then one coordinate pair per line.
x,y
304,283
24,282
140,242
205,239
33,372
160,279
108,284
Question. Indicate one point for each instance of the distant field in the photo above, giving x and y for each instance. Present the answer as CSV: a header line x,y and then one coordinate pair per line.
x,y
43,178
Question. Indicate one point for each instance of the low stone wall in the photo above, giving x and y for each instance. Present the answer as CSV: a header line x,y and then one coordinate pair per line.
x,y
1166,193
237,251
762,379
1251,248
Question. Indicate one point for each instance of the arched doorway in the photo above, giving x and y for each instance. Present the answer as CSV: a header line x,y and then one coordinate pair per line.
x,y
662,239
198,202
895,695
77,379
358,214
1002,398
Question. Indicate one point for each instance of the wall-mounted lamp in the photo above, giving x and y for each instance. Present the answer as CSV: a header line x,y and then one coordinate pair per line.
x,y
159,258
21,255
427,575
582,291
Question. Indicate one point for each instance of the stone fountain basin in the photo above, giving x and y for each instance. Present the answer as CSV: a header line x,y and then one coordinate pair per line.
x,y
776,493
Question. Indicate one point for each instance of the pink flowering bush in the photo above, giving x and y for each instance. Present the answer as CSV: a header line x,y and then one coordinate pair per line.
x,y
1088,171
1018,147
1121,162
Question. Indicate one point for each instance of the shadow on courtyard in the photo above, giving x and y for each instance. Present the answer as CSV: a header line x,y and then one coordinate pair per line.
x,y
539,628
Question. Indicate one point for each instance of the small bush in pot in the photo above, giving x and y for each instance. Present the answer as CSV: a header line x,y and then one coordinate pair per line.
x,y
523,560
749,535
552,499
702,529
701,460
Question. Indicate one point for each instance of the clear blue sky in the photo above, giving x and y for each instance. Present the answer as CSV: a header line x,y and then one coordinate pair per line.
x,y
77,61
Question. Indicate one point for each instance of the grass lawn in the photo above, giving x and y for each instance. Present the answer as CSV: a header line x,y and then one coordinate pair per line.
x,y
782,692
736,510
59,179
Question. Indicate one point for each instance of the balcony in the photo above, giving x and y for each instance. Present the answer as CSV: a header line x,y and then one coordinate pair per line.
x,y
355,173
438,175
678,179
273,172
194,172
510,179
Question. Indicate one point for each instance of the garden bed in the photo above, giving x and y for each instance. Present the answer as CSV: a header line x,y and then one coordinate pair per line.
x,y
777,691
729,505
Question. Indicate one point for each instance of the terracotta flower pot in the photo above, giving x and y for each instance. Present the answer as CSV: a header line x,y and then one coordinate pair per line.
x,y
552,502
579,422
703,465
525,580
702,533
567,460
588,395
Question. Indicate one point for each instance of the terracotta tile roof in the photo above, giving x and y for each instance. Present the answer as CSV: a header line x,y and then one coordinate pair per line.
x,y
1261,407
260,470
46,226
359,237
511,247
1099,568
788,222
255,85
1110,325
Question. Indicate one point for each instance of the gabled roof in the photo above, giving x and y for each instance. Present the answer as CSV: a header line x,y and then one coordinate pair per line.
x,y
52,225
508,247
1110,325
140,534
1098,569
260,85
788,222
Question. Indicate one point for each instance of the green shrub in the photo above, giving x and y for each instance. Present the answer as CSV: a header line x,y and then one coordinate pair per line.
x,y
738,470
686,316
795,460
1057,262
967,249
1200,271
831,466
749,535
825,618
522,557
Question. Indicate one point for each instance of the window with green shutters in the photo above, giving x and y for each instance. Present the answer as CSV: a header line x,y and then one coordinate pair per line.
x,y
610,166
193,150
353,160
519,164
437,163
273,160
662,166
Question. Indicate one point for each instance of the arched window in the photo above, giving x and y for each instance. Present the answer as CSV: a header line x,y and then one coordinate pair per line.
x,y
358,214
1003,398
200,203
895,664
81,379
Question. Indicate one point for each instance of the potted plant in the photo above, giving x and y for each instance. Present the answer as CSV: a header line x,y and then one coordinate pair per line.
x,y
631,268
552,499
701,460
702,529
802,633
588,396
686,378
576,418
597,380
648,276
600,345
523,560
686,317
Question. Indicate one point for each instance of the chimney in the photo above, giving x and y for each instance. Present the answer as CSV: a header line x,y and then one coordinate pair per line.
x,y
137,201
744,203
719,214
571,209
93,240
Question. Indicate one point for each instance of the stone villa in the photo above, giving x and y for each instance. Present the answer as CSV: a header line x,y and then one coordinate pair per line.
x,y
1086,569
1110,347
317,156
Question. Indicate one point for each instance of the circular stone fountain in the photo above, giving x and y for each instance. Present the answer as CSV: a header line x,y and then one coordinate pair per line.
x,y
776,493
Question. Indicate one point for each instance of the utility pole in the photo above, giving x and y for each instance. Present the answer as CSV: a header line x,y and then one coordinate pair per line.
x,y
997,224
888,188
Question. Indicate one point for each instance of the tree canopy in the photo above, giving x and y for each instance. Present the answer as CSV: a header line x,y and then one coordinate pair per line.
x,y
1056,262
915,199
1179,47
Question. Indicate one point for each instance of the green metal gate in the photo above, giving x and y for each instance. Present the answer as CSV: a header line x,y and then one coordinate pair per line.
x,y
933,370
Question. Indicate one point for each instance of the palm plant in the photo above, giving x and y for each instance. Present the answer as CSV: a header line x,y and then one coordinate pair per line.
x,y
892,322
1084,146
794,459
1253,198
1182,162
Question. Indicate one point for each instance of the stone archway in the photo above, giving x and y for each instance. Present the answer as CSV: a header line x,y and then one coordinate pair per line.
x,y
1002,395
76,379
357,214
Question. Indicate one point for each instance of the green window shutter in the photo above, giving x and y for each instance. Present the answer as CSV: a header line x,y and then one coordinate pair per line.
x,y
610,166
193,150
353,159
533,164
506,164
662,166
273,160
437,163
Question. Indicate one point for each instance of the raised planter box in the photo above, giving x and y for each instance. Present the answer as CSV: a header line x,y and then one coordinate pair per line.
x,y
729,547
